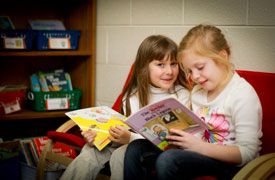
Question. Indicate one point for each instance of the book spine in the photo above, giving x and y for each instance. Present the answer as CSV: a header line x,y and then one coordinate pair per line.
x,y
39,144
24,150
35,83
32,153
43,82
68,77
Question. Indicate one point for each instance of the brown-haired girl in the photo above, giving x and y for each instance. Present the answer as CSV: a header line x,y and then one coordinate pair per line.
x,y
156,75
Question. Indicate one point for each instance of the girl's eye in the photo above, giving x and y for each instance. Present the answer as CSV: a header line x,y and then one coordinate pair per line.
x,y
200,68
174,64
160,64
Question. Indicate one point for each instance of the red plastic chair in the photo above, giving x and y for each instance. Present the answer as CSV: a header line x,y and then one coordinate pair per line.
x,y
262,82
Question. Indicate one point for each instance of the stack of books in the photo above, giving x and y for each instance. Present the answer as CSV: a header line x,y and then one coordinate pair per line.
x,y
55,80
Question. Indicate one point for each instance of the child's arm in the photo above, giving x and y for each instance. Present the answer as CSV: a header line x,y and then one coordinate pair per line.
x,y
187,141
89,137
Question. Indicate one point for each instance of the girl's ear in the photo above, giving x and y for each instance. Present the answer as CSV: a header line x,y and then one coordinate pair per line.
x,y
224,54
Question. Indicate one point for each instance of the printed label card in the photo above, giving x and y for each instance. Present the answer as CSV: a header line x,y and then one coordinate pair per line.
x,y
59,43
12,106
14,43
57,103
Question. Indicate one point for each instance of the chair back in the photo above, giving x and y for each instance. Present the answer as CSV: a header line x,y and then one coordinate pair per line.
x,y
264,85
118,100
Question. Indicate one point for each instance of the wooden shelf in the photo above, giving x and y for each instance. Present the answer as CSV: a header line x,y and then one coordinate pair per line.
x,y
29,114
17,66
47,53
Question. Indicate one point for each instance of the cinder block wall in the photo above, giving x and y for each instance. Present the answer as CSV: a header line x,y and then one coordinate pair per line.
x,y
249,26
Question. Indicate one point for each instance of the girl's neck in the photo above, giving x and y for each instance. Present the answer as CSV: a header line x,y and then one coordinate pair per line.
x,y
211,95
157,90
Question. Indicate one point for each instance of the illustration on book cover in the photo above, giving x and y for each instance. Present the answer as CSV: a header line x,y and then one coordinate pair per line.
x,y
98,119
158,127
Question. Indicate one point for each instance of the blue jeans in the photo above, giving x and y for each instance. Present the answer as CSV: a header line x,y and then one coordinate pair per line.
x,y
142,157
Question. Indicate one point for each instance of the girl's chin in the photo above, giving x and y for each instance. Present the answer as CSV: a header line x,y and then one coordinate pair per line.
x,y
207,88
167,87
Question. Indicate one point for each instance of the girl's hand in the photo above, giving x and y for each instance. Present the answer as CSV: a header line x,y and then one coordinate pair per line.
x,y
89,137
185,140
120,135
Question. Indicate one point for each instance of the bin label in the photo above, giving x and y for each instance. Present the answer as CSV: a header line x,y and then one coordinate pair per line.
x,y
57,103
12,106
14,43
59,43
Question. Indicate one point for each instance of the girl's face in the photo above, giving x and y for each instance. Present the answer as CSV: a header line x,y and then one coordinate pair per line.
x,y
163,73
203,70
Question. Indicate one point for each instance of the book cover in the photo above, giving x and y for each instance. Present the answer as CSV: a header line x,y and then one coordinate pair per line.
x,y
40,142
46,24
57,80
9,149
98,119
154,121
6,23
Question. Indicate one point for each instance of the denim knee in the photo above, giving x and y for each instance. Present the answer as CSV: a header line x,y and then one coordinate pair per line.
x,y
166,162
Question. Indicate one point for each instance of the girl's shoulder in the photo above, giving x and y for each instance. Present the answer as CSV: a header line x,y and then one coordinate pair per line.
x,y
181,88
182,91
183,95
240,91
239,84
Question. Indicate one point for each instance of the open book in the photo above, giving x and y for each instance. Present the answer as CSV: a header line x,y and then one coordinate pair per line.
x,y
98,119
154,121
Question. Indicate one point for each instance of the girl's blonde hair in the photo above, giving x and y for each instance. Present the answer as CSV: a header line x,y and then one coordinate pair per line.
x,y
154,47
207,41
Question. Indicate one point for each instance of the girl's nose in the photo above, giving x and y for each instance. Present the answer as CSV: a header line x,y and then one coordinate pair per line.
x,y
195,75
168,70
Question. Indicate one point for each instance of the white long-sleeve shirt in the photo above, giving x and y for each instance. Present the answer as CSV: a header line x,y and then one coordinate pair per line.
x,y
157,94
234,116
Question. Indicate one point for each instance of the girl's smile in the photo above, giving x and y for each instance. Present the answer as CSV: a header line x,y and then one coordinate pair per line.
x,y
163,73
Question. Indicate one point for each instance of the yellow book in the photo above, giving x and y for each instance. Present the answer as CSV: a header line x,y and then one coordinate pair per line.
x,y
98,119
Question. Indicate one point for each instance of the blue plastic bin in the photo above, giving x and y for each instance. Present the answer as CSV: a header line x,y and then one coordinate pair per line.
x,y
28,36
10,168
44,35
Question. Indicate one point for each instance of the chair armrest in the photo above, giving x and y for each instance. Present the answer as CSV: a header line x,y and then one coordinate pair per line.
x,y
262,167
67,138
66,126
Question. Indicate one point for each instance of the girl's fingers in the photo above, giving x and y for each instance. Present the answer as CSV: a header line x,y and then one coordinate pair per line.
x,y
176,143
113,132
120,128
177,132
113,139
174,138
116,131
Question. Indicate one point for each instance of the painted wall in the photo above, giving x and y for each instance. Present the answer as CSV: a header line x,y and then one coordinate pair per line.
x,y
249,27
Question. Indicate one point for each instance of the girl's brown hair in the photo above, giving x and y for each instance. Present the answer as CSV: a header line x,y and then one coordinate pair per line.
x,y
154,47
207,41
